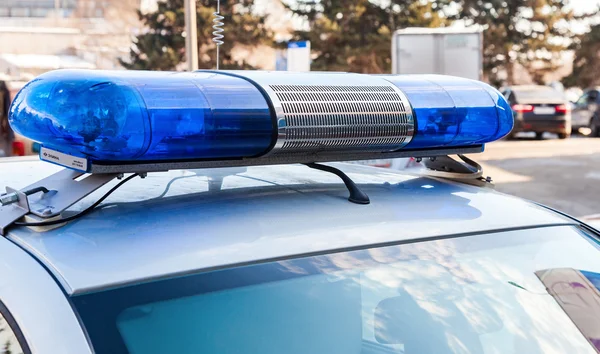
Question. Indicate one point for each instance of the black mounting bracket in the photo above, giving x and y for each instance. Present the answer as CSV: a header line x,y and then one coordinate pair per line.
x,y
356,195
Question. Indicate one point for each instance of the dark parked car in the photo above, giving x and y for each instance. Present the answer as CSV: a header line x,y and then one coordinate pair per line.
x,y
539,109
586,113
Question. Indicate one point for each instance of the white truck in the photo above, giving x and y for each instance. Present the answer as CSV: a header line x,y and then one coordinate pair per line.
x,y
446,51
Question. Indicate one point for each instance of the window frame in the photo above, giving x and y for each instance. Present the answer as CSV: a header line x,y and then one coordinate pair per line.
x,y
14,327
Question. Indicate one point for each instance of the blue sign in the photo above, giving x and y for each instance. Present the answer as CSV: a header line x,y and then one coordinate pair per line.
x,y
301,44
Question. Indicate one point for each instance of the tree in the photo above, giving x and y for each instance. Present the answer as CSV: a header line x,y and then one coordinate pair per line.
x,y
586,64
533,33
162,44
356,35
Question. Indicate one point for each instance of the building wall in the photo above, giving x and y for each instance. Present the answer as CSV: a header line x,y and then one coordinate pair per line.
x,y
15,40
53,8
101,31
98,31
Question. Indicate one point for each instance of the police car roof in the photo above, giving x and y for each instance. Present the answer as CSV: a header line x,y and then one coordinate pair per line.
x,y
259,213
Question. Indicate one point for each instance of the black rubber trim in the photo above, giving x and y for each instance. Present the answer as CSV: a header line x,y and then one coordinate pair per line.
x,y
14,327
592,230
267,99
317,253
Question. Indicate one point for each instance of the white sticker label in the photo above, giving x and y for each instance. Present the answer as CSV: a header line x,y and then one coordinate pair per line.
x,y
74,162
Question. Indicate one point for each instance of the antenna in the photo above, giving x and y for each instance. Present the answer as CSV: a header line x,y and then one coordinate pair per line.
x,y
218,29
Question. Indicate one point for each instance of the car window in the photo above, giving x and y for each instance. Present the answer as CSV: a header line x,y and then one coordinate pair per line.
x,y
9,342
473,294
511,97
583,100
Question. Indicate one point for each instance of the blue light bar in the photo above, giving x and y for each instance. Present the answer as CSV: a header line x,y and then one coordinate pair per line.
x,y
126,118
452,111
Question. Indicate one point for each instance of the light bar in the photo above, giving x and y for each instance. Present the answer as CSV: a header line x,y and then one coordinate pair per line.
x,y
454,112
85,119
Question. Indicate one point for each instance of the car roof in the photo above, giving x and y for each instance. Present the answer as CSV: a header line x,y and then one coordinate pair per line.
x,y
537,94
531,87
259,213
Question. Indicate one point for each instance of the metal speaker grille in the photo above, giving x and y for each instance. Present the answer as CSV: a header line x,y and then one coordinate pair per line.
x,y
362,118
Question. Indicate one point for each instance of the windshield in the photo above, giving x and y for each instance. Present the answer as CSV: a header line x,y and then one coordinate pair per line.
x,y
474,294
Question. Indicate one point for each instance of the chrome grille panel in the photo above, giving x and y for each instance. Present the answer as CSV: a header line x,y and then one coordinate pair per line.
x,y
342,117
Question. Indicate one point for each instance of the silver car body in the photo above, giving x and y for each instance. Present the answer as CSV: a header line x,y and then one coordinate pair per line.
x,y
181,222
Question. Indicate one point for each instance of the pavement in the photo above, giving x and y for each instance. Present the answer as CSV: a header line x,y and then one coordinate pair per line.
x,y
563,174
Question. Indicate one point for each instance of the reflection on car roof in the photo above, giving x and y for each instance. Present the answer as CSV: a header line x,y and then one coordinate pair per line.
x,y
173,222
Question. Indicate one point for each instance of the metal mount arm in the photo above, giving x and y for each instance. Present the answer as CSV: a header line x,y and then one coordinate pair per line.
x,y
58,192
469,171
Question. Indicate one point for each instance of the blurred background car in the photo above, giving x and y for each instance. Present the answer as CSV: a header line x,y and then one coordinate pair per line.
x,y
539,109
573,94
585,112
6,133
12,144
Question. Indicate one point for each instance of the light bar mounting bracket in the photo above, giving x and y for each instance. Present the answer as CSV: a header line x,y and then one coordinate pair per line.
x,y
468,171
62,189
322,156
51,196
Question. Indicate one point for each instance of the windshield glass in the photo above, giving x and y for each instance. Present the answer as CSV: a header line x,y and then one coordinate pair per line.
x,y
474,294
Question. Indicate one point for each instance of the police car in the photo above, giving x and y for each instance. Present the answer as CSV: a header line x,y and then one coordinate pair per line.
x,y
205,212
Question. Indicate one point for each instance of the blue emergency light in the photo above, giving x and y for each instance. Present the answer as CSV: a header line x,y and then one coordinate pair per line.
x,y
128,121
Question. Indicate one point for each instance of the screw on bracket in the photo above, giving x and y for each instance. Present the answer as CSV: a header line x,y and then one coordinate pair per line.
x,y
9,198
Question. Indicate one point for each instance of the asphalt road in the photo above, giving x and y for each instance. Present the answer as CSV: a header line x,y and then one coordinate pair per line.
x,y
564,174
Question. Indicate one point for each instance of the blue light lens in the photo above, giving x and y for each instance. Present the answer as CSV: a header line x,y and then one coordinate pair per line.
x,y
127,116
452,111
151,116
